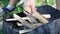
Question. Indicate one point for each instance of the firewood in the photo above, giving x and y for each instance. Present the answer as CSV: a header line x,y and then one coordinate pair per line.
x,y
29,18
25,23
24,18
40,17
36,24
24,31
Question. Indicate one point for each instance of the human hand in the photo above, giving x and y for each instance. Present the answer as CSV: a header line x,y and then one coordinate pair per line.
x,y
29,10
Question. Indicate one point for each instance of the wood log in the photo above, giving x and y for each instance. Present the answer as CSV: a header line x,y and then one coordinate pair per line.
x,y
12,19
36,24
29,18
24,18
25,22
24,31
40,17
27,30
19,24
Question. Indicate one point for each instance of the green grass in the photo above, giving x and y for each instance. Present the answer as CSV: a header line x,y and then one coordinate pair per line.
x,y
1,31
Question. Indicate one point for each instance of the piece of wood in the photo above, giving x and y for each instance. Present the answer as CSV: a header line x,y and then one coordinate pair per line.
x,y
24,18
36,24
46,16
24,31
40,17
30,19
19,24
12,19
25,23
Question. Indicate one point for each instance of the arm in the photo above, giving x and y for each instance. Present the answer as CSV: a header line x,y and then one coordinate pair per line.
x,y
12,2
31,7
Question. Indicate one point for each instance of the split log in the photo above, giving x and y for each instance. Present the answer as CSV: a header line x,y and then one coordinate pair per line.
x,y
40,17
25,22
24,18
24,31
36,24
29,18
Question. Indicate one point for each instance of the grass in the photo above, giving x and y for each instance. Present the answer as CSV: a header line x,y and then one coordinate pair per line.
x,y
1,31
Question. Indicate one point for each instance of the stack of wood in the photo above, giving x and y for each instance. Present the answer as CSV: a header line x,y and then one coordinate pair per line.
x,y
30,22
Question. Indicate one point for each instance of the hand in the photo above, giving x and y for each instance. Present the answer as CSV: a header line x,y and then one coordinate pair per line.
x,y
30,12
27,13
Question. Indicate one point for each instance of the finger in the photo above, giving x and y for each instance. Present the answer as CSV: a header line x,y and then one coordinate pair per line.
x,y
27,13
